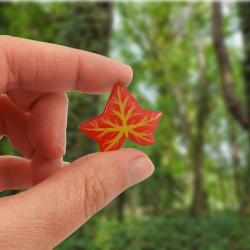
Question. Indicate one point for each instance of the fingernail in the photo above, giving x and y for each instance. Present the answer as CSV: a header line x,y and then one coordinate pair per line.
x,y
131,72
62,142
139,169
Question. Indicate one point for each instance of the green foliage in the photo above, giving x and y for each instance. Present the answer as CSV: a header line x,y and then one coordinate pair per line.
x,y
218,233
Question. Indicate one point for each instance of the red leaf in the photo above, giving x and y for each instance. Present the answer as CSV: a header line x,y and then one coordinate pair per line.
x,y
122,118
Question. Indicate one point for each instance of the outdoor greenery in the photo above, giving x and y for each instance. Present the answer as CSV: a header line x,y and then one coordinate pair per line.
x,y
191,61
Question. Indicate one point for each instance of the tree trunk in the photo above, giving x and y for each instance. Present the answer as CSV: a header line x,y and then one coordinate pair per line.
x,y
199,196
236,161
221,178
233,104
235,107
244,11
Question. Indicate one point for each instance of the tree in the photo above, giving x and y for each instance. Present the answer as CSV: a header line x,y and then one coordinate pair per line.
x,y
199,195
240,113
235,107
244,10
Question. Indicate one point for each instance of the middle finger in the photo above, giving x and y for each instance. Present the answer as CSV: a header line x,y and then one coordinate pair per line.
x,y
14,123
47,129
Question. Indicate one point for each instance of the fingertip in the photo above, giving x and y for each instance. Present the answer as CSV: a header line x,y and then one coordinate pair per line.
x,y
129,74
139,169
111,70
138,165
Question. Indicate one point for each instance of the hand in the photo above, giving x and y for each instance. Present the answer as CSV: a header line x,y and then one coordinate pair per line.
x,y
60,196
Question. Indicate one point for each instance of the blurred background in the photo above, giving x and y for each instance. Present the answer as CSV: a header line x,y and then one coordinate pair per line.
x,y
192,62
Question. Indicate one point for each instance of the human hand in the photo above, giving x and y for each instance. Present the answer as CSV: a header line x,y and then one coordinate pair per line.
x,y
33,113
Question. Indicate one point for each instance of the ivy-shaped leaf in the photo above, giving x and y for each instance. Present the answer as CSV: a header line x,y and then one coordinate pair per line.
x,y
122,118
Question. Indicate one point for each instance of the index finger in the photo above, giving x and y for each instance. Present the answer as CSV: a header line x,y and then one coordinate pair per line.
x,y
45,67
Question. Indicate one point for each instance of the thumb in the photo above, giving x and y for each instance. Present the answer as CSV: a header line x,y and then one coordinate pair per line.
x,y
45,215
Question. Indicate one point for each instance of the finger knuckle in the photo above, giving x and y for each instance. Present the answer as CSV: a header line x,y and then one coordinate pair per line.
x,y
93,194
95,197
3,65
8,63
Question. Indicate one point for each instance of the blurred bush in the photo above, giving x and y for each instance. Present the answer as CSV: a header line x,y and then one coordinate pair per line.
x,y
218,233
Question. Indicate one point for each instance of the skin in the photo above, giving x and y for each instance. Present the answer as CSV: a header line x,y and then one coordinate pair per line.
x,y
60,196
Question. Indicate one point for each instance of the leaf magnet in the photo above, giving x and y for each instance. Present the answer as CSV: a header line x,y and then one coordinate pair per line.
x,y
122,118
